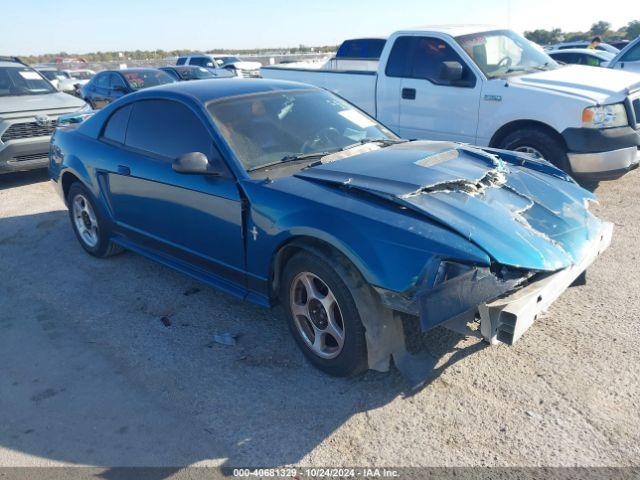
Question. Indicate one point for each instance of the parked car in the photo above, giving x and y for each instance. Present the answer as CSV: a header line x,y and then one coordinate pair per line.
x,y
628,59
183,73
619,44
222,65
59,79
582,56
278,192
583,44
29,110
495,88
109,85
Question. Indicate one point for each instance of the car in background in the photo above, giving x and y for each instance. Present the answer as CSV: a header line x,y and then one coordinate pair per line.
x,y
183,73
58,78
222,65
628,59
582,44
29,110
110,85
80,76
619,44
582,56
285,194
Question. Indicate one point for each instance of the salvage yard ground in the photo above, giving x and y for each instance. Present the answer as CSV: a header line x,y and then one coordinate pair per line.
x,y
112,362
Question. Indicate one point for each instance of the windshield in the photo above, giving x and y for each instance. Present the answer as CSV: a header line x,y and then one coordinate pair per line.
x,y
502,52
266,128
22,81
194,73
146,78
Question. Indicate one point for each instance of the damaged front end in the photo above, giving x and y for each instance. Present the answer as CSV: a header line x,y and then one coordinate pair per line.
x,y
529,217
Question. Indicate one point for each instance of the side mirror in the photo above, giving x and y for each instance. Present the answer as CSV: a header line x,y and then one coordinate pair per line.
x,y
194,163
451,72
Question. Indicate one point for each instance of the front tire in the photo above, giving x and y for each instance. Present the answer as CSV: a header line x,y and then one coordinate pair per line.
x,y
538,143
89,225
322,314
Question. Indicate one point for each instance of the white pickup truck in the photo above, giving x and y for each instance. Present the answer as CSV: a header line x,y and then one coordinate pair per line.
x,y
492,87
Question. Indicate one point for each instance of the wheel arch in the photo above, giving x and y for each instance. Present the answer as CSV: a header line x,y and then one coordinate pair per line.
x,y
68,178
515,125
302,243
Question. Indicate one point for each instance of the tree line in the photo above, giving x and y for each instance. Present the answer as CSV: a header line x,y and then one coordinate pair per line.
x,y
600,29
159,54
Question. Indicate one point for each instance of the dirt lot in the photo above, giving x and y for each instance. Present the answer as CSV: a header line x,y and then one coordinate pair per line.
x,y
90,374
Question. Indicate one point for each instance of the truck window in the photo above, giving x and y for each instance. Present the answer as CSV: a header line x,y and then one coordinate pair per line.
x,y
361,48
181,61
423,57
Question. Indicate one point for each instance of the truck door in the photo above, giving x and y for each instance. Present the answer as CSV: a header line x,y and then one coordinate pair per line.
x,y
432,106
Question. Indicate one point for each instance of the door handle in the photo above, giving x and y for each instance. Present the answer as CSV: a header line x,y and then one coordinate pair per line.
x,y
124,170
409,93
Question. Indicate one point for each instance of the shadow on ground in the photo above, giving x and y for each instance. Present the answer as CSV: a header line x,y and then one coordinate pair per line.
x,y
91,375
18,179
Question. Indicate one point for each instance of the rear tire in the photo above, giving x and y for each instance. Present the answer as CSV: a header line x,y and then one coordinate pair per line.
x,y
89,224
538,140
322,314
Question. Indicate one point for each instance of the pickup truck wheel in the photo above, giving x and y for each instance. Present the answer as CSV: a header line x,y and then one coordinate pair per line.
x,y
89,224
538,143
323,316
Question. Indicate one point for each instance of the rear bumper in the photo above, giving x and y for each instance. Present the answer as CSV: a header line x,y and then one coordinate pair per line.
x,y
24,154
505,320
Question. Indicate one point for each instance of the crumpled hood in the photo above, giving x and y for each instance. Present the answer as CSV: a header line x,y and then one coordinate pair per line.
x,y
523,213
31,103
603,85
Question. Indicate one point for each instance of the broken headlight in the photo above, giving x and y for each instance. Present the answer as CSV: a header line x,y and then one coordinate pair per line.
x,y
449,270
605,116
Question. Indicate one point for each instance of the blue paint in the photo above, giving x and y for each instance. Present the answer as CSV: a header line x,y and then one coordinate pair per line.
x,y
395,212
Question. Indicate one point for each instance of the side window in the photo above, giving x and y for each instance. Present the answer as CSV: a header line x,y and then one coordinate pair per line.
x,y
115,80
398,64
423,57
168,129
200,61
428,56
181,61
633,55
171,73
117,125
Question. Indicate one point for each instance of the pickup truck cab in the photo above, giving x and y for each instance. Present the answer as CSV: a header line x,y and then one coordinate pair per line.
x,y
492,87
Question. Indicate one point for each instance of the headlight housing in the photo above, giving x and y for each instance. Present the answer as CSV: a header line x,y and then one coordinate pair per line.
x,y
605,116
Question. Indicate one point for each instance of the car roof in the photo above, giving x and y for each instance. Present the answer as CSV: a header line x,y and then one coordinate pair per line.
x,y
217,88
454,30
586,51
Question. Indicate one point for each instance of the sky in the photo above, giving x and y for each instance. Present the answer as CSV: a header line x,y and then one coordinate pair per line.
x,y
76,26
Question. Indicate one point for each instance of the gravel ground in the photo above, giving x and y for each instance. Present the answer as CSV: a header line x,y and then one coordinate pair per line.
x,y
91,375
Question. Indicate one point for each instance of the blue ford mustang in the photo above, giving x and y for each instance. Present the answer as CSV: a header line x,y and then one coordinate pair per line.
x,y
282,193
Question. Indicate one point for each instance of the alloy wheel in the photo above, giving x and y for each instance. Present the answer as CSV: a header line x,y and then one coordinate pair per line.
x,y
317,315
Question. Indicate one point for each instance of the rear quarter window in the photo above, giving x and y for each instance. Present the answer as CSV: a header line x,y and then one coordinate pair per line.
x,y
116,127
166,129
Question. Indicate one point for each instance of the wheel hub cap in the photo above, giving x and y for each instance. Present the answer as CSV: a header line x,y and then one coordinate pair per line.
x,y
317,315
